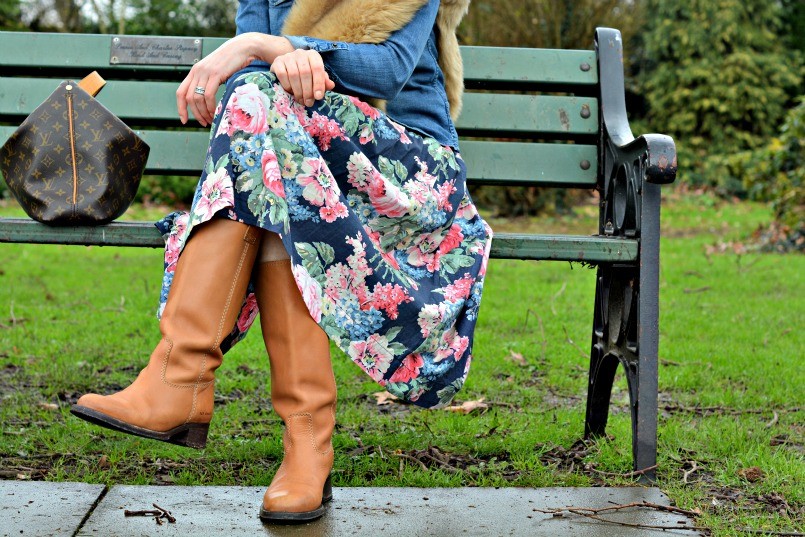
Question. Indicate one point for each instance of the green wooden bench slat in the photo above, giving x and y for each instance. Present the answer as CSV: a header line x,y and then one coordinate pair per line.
x,y
530,164
498,64
523,65
182,153
79,51
504,246
141,100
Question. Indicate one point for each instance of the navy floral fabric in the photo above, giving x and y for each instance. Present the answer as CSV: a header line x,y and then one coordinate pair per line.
x,y
387,248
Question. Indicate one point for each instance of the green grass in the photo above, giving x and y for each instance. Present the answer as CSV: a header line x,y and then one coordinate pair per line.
x,y
75,319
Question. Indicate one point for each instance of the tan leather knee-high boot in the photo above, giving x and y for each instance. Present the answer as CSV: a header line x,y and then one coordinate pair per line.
x,y
303,393
172,398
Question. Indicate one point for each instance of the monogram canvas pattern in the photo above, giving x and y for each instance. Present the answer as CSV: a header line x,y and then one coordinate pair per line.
x,y
72,162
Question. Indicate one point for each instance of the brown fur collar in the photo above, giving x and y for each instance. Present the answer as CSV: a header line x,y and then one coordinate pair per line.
x,y
373,21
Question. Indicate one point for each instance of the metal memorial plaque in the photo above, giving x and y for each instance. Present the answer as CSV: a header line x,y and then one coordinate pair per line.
x,y
129,50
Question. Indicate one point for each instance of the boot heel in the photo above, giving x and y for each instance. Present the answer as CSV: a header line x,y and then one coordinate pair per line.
x,y
327,493
194,436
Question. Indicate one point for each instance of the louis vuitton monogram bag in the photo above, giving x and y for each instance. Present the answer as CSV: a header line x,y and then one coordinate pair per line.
x,y
73,162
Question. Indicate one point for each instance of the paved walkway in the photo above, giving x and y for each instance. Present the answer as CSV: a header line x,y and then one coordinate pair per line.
x,y
79,509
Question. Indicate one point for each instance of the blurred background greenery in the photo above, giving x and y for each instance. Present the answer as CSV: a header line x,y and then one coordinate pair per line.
x,y
723,77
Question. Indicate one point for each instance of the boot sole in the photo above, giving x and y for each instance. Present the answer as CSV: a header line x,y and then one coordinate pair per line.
x,y
288,517
193,435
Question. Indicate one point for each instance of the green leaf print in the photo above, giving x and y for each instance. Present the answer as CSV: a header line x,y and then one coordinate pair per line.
x,y
447,393
454,261
246,182
310,258
278,213
400,172
326,252
392,334
223,162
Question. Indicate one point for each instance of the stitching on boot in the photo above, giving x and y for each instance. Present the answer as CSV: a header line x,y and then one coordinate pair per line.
x,y
164,372
311,436
217,340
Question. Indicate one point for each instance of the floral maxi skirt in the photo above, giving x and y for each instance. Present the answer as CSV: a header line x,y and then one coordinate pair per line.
x,y
386,246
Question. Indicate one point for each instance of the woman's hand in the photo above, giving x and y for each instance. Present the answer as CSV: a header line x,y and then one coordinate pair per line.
x,y
301,73
215,69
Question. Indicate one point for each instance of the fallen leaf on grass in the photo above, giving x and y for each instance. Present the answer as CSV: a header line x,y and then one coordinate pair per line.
x,y
468,406
517,358
752,474
385,398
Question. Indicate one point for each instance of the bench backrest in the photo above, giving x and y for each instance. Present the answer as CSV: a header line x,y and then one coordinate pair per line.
x,y
540,106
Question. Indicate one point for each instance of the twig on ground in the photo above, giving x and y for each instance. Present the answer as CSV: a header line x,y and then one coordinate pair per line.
x,y
573,343
593,513
544,339
166,514
626,475
442,463
704,410
697,290
557,295
158,513
773,421
693,467
412,459
769,532
142,512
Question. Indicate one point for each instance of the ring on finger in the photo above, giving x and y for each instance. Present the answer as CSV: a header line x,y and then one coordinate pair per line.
x,y
199,90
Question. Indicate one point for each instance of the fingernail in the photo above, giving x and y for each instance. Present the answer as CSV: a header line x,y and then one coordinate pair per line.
x,y
309,102
319,94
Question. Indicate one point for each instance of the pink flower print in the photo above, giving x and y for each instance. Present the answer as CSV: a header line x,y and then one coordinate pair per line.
x,y
272,177
247,109
371,355
247,313
421,252
331,214
176,238
388,298
282,102
324,130
367,109
337,280
443,192
399,128
359,171
366,135
387,199
429,318
216,194
310,289
452,240
409,368
357,261
320,187
451,345
422,175
388,256
459,290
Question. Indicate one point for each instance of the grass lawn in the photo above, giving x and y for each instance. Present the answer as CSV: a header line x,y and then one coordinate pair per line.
x,y
732,424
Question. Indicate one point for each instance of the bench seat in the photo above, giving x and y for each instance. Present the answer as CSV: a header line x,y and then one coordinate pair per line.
x,y
588,249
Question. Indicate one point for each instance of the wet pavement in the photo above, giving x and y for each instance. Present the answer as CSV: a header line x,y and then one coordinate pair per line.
x,y
78,509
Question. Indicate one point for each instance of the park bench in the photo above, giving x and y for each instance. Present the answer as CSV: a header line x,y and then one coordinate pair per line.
x,y
548,118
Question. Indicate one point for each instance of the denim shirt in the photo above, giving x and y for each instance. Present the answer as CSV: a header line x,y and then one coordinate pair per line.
x,y
403,70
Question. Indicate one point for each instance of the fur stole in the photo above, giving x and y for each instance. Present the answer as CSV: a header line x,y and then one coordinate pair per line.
x,y
373,21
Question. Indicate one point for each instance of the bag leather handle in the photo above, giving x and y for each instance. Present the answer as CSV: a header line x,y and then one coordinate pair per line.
x,y
92,83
